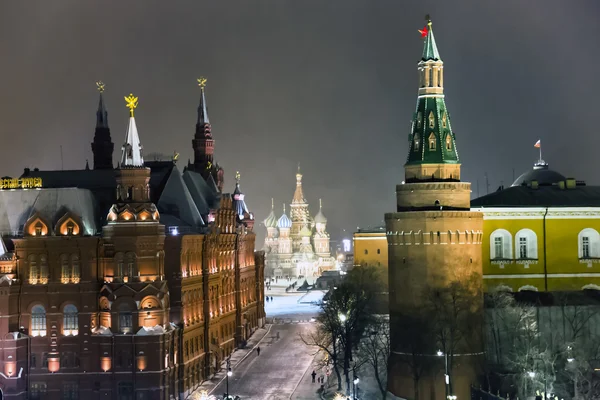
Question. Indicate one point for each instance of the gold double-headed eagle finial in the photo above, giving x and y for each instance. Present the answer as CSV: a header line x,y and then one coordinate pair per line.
x,y
237,176
132,103
100,86
202,82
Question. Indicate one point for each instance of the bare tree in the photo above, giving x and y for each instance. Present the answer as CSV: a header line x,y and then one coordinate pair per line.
x,y
374,351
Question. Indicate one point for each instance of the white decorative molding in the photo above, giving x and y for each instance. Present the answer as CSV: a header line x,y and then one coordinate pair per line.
x,y
495,213
524,276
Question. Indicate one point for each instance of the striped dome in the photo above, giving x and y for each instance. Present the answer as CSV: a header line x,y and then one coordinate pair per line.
x,y
284,222
271,220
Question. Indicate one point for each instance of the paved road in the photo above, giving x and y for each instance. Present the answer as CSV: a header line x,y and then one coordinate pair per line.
x,y
275,374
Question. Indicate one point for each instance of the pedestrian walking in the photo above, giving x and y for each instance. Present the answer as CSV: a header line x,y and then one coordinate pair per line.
x,y
258,351
314,374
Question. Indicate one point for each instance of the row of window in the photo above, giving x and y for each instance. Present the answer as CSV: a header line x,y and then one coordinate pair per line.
x,y
432,142
68,359
39,271
525,242
367,251
39,324
70,391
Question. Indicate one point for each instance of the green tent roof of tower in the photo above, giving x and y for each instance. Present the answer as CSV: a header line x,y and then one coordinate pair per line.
x,y
431,140
430,51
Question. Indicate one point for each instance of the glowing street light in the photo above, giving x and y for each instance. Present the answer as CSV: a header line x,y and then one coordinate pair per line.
x,y
343,317
531,374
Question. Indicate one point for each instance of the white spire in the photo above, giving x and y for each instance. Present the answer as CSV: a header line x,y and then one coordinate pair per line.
x,y
3,250
131,152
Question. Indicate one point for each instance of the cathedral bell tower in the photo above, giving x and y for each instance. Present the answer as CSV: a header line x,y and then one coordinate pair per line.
x,y
434,240
102,146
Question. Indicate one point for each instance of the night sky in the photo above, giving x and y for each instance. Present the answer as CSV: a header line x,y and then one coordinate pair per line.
x,y
329,84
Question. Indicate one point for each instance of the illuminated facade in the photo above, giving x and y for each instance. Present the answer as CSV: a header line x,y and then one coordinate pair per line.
x,y
127,283
541,234
297,246
433,237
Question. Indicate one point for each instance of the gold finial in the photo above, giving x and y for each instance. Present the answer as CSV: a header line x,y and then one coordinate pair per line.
x,y
132,103
209,165
284,208
272,203
100,86
428,19
202,82
320,205
175,156
237,176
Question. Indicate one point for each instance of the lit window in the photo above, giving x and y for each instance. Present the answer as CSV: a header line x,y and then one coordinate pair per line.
x,y
38,321
448,142
125,322
416,143
75,271
431,120
500,245
43,269
70,320
443,119
432,144
38,229
70,228
65,268
34,272
419,119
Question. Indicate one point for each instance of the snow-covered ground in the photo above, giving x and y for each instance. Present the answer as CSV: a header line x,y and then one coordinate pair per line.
x,y
295,304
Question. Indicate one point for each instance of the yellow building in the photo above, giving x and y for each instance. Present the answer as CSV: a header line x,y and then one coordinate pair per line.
x,y
370,247
541,234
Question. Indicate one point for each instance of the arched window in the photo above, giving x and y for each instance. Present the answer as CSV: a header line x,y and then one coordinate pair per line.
x,y
526,244
500,245
70,320
34,271
38,320
119,265
419,119
65,268
432,142
75,270
589,243
444,119
43,269
431,120
129,264
125,319
448,142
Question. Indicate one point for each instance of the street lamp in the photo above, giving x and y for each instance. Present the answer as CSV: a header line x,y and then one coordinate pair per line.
x,y
343,317
229,373
446,374
355,382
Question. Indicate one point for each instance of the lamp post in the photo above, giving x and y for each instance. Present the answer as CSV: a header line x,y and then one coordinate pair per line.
x,y
229,373
446,373
354,383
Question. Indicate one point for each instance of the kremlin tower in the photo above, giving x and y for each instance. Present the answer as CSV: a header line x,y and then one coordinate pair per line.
x,y
434,243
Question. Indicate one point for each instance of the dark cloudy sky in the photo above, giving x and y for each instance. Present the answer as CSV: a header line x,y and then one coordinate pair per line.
x,y
331,84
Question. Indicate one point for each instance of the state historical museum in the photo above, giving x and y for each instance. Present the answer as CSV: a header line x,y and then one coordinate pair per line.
x,y
133,282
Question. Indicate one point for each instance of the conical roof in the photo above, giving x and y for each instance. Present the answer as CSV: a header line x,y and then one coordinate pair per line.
x,y
131,152
101,114
284,220
271,220
430,51
320,218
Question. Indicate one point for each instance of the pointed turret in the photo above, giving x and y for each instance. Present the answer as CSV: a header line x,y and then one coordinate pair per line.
x,y
203,142
131,151
239,205
432,152
3,250
298,194
430,51
102,146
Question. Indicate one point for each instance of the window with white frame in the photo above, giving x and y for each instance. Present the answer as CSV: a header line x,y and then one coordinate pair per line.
x,y
501,245
526,242
38,320
589,243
